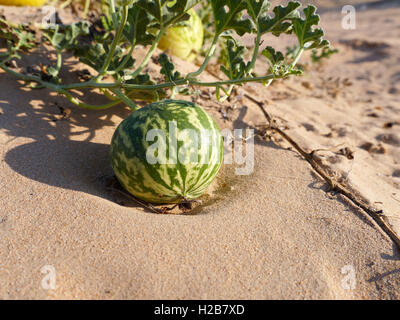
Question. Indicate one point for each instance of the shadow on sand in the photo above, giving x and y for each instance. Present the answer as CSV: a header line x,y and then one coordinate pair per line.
x,y
62,152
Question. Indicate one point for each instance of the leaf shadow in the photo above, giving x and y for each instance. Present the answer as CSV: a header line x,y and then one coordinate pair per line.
x,y
61,152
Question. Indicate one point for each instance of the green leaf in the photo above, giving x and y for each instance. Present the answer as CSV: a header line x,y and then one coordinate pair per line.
x,y
228,15
274,57
257,9
308,36
168,68
92,55
182,5
67,36
282,21
232,55
167,12
106,45
19,37
325,52
278,66
137,28
152,7
176,11
52,72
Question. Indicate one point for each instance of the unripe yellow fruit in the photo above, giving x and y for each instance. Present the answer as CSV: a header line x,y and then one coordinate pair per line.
x,y
184,41
32,3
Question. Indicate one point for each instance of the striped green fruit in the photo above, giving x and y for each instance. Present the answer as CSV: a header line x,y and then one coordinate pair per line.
x,y
167,152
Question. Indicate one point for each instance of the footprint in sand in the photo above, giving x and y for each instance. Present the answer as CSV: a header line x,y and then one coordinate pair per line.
x,y
394,90
389,138
396,173
308,126
373,148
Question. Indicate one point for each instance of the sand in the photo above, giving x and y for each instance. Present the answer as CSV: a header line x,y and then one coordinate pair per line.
x,y
275,234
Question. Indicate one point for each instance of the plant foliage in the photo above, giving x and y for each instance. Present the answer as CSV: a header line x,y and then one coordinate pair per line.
x,y
107,44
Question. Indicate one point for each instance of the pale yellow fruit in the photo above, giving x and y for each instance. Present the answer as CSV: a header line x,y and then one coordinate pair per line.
x,y
32,3
184,41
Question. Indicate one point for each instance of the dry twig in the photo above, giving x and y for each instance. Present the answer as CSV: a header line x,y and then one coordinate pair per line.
x,y
333,184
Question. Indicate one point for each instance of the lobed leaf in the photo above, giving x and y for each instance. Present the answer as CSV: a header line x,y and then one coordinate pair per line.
x,y
92,55
168,68
257,9
308,36
325,52
228,15
137,28
233,56
167,12
19,37
274,57
67,36
282,21
152,7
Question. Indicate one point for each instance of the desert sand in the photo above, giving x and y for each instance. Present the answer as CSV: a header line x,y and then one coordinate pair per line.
x,y
275,234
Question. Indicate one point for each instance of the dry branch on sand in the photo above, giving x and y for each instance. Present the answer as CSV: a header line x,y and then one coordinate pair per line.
x,y
334,185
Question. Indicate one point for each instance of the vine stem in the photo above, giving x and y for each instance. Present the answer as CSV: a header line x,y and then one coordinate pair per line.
x,y
86,9
65,4
112,5
148,56
297,57
113,11
114,44
60,90
88,106
167,85
255,53
125,99
59,60
63,89
209,54
27,77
